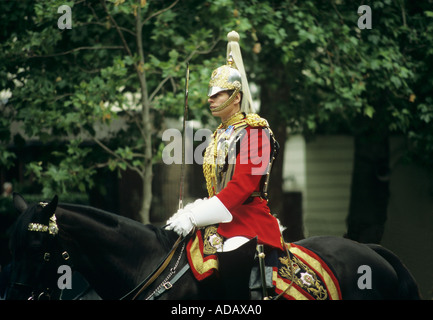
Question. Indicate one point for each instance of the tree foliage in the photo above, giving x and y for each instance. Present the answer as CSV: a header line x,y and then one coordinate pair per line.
x,y
123,63
334,69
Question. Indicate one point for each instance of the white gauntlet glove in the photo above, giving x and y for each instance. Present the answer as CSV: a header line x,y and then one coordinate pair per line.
x,y
184,210
202,212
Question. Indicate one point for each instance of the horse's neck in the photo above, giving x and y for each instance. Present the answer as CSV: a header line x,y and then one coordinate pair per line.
x,y
113,253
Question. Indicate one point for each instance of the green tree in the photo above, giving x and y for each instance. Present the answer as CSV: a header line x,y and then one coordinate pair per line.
x,y
121,62
319,73
315,69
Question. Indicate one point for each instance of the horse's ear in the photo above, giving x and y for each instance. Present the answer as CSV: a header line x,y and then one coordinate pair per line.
x,y
19,202
50,208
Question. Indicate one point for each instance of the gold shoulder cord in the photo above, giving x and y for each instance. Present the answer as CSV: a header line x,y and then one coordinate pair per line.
x,y
254,120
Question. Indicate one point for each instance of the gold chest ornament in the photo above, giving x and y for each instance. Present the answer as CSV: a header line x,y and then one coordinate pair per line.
x,y
222,149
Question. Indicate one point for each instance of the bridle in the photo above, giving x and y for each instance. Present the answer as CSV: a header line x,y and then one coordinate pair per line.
x,y
35,295
52,229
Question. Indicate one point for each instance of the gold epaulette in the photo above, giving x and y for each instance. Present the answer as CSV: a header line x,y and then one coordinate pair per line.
x,y
254,120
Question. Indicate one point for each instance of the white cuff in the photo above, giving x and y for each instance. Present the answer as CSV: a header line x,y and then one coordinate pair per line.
x,y
210,211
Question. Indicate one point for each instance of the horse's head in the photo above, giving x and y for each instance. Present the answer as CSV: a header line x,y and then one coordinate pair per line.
x,y
36,254
113,253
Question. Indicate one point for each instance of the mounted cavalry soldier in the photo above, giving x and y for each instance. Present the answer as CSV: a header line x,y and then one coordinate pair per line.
x,y
236,167
219,234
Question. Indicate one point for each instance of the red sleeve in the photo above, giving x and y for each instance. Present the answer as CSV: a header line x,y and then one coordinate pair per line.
x,y
251,164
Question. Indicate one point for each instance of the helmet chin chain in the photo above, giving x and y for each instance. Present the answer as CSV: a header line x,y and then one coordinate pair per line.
x,y
228,101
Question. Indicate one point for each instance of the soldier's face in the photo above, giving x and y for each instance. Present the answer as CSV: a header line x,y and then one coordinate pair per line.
x,y
218,99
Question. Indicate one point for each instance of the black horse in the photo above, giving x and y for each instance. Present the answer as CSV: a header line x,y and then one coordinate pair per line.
x,y
118,257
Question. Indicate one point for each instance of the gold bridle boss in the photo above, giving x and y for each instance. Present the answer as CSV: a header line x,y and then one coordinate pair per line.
x,y
51,228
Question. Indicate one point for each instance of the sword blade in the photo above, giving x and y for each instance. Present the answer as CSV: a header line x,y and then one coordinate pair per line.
x,y
185,116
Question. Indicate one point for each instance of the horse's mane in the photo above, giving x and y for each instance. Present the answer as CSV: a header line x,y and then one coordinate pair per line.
x,y
19,230
85,209
165,237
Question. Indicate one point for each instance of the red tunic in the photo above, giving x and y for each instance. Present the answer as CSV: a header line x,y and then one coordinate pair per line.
x,y
254,218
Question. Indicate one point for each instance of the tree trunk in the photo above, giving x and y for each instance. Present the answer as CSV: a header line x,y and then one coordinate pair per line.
x,y
147,174
268,111
146,201
273,99
370,186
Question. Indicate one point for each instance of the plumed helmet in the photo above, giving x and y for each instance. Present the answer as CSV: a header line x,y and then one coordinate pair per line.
x,y
225,78
231,76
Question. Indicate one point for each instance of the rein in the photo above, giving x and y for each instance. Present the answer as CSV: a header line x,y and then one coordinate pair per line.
x,y
153,276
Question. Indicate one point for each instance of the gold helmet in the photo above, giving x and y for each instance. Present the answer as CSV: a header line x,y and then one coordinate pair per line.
x,y
224,78
231,76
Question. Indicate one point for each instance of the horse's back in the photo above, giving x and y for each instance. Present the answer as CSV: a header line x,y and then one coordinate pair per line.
x,y
362,272
408,288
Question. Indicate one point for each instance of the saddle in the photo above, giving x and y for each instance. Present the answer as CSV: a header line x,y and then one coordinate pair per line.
x,y
294,274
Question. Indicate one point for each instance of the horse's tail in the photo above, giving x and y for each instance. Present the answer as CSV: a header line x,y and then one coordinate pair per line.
x,y
407,288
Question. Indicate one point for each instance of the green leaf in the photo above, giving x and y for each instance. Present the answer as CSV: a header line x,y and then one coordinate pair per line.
x,y
369,111
396,81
